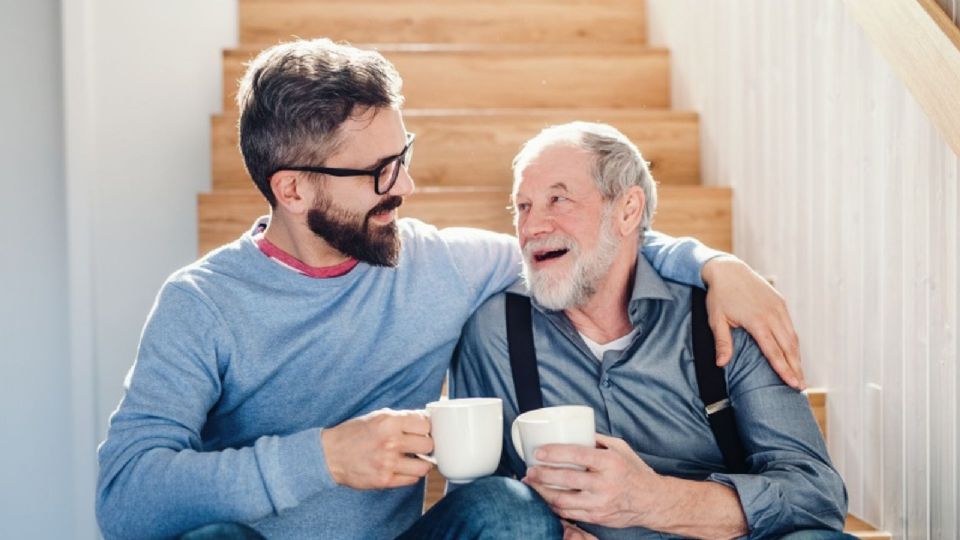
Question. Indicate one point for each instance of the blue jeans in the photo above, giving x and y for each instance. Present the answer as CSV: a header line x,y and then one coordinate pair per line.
x,y
491,508
222,531
817,534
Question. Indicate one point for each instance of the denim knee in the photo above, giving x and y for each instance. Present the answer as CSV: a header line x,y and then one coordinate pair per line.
x,y
506,508
817,534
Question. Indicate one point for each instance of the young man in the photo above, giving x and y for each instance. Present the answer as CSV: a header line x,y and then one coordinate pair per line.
x,y
277,378
610,333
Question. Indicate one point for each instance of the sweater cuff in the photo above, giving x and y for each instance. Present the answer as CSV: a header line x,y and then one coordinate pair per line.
x,y
294,467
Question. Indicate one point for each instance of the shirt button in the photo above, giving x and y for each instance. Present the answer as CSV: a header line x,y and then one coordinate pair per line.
x,y
605,382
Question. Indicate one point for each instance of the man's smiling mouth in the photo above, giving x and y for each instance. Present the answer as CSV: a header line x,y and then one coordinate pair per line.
x,y
541,256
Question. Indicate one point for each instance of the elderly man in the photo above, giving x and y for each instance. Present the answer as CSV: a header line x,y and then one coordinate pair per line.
x,y
610,333
278,379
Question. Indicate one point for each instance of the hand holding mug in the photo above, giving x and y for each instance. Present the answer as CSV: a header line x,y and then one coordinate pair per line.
x,y
374,451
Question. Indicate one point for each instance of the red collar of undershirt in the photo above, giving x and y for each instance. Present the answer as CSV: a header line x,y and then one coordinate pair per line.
x,y
271,250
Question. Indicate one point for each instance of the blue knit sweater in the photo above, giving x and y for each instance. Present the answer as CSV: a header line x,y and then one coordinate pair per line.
x,y
243,362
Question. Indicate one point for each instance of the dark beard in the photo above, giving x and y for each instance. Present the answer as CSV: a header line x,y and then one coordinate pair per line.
x,y
351,234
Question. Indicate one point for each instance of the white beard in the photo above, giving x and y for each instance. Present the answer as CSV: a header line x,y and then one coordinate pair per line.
x,y
557,289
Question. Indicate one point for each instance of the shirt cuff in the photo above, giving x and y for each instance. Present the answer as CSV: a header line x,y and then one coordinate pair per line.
x,y
761,500
294,467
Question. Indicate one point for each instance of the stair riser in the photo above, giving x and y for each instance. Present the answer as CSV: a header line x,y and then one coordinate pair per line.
x,y
450,21
477,150
695,211
515,79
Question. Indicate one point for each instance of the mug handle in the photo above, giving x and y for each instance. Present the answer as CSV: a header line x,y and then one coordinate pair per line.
x,y
427,457
515,436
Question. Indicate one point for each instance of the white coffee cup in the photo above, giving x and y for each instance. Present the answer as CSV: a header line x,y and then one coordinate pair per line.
x,y
566,424
467,437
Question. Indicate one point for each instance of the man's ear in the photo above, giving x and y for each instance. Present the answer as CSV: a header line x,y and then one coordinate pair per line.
x,y
292,192
630,211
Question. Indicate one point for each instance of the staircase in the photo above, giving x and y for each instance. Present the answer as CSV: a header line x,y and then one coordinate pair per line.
x,y
479,79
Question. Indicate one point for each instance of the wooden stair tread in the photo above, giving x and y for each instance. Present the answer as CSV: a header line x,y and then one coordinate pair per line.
x,y
487,77
698,211
560,21
476,147
863,530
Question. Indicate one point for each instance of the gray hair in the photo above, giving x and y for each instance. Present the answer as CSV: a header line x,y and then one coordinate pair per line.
x,y
295,96
617,167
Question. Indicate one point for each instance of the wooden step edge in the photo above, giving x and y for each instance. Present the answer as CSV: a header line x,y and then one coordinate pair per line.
x,y
246,49
861,529
632,113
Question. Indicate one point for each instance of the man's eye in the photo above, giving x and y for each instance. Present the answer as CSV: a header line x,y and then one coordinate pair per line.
x,y
557,198
521,207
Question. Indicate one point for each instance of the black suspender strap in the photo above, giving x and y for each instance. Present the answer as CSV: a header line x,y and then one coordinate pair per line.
x,y
523,357
713,387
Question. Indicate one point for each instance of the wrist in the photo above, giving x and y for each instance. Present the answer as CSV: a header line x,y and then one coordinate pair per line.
x,y
712,268
328,444
668,496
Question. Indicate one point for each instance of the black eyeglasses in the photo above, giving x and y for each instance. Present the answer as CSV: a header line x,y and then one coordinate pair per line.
x,y
384,174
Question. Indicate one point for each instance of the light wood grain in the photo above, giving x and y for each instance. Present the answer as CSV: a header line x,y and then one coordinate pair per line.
x,y
499,76
922,44
465,21
476,147
703,212
817,397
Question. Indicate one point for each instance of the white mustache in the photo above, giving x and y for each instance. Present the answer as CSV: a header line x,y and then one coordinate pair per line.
x,y
551,243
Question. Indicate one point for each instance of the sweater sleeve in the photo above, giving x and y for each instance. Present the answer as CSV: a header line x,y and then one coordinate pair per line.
x,y
488,262
156,479
677,259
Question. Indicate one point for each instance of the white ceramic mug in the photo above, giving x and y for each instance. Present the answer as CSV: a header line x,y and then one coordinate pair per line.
x,y
467,437
566,424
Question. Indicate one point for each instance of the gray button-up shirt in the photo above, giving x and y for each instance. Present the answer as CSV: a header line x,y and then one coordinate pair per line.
x,y
647,395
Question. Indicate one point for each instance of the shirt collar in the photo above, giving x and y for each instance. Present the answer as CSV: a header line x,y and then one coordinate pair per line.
x,y
647,285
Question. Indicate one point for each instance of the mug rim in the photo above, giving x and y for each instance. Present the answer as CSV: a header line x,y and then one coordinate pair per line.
x,y
529,416
457,403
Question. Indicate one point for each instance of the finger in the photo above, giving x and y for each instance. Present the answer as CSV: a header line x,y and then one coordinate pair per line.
x,y
569,454
560,498
723,340
414,422
575,514
403,480
567,478
572,532
412,466
775,355
415,444
786,335
606,441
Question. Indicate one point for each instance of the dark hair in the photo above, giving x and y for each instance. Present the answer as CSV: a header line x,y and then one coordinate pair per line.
x,y
294,97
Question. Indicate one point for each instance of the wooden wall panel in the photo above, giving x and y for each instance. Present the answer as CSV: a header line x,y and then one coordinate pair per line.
x,y
845,193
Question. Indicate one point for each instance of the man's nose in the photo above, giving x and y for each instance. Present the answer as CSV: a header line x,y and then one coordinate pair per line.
x,y
404,185
534,223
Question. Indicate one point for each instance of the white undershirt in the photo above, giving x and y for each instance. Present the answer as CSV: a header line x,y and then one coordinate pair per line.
x,y
616,345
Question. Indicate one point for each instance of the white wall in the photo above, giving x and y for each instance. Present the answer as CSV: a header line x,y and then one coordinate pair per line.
x,y
34,393
846,194
141,80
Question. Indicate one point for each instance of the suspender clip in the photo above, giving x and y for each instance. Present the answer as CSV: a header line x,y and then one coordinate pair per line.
x,y
717,406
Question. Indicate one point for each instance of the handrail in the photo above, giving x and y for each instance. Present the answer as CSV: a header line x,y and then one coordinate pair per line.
x,y
923,45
